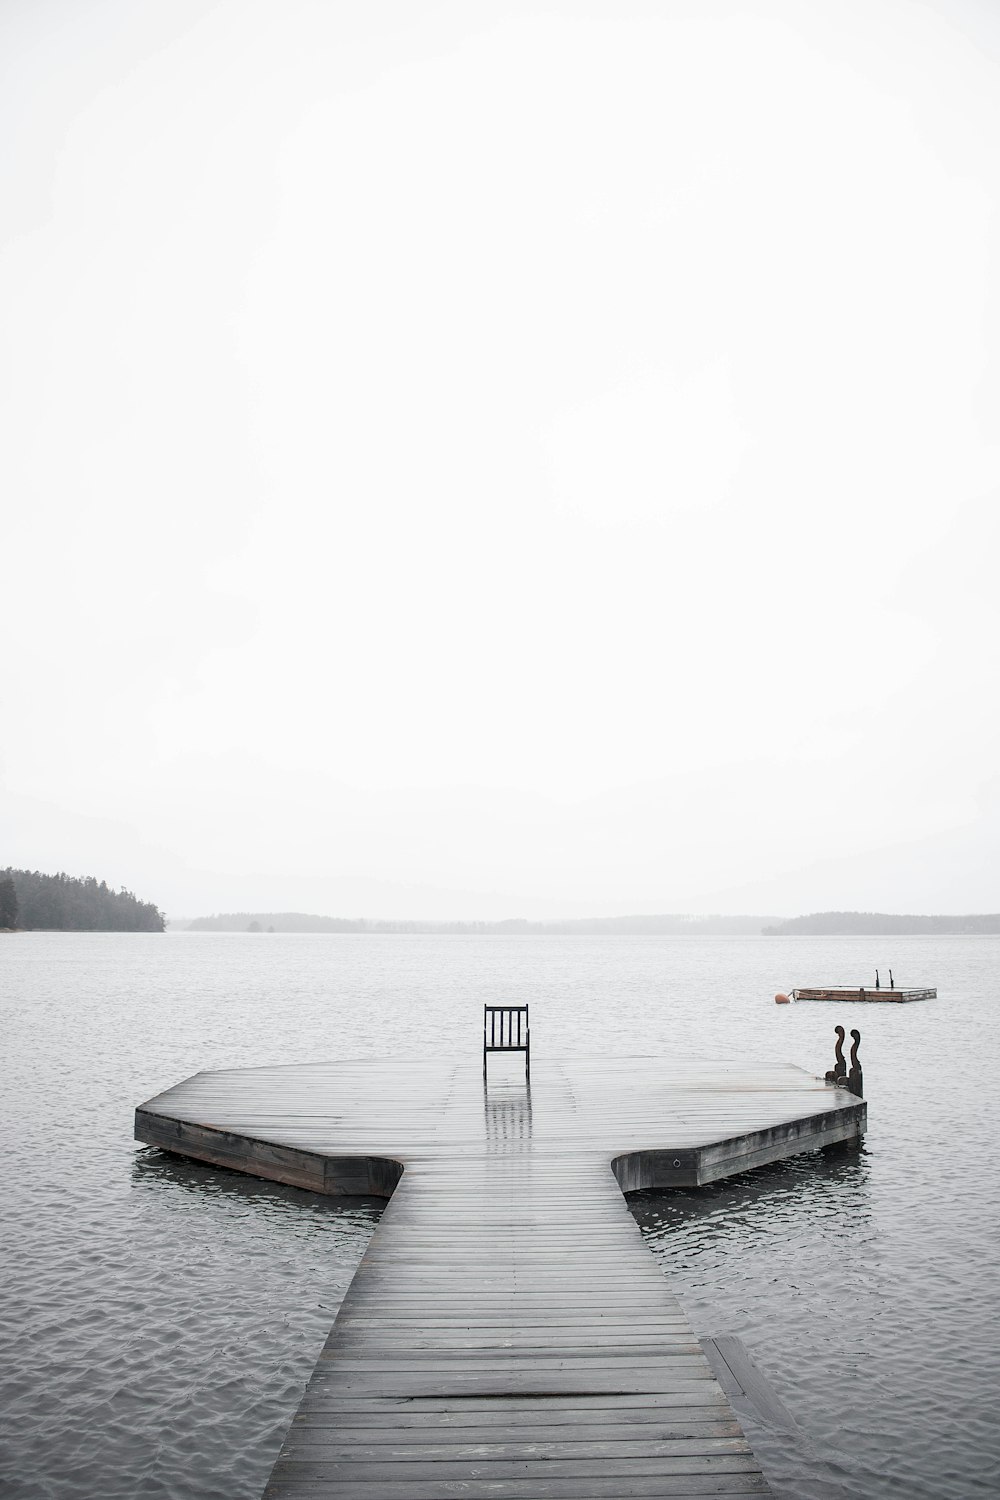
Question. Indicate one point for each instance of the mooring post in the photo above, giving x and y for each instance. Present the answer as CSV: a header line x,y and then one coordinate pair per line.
x,y
855,1079
838,1072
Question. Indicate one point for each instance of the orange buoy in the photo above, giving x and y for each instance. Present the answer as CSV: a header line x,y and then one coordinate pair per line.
x,y
782,1000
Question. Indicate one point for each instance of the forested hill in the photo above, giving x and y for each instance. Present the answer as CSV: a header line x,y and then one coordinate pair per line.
x,y
69,903
881,924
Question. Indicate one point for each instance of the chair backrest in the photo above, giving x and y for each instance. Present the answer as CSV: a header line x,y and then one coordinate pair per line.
x,y
505,1029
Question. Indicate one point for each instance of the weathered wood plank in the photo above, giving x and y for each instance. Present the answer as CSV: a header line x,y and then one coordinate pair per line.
x,y
739,1377
578,1447
515,1437
594,1487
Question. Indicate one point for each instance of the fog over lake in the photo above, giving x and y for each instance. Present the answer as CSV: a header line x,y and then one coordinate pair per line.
x,y
482,461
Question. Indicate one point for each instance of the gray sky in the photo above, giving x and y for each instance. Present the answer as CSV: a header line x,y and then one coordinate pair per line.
x,y
494,459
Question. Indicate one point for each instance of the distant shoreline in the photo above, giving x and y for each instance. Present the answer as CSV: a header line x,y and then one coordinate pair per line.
x,y
884,924
818,924
631,926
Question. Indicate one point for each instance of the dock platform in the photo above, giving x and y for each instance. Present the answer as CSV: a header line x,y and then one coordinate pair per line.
x,y
861,993
507,1333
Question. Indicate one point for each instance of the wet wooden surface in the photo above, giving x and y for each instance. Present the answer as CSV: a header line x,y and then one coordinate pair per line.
x,y
507,1333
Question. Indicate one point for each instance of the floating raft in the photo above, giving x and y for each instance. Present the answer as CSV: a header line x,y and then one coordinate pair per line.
x,y
507,1333
869,996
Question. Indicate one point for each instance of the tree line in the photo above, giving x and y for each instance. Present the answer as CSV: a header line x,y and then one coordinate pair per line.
x,y
69,903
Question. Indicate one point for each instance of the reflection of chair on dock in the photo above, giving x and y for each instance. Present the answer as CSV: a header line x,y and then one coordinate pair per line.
x,y
505,1029
507,1115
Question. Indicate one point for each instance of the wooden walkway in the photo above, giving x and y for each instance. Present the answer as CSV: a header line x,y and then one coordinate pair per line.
x,y
507,1333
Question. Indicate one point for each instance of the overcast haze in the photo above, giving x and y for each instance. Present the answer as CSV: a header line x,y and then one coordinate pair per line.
x,y
495,459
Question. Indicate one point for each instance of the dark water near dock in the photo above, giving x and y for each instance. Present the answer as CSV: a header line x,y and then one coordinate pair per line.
x,y
160,1319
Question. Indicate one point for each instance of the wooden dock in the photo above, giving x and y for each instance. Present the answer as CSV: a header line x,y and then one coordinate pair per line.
x,y
868,996
507,1333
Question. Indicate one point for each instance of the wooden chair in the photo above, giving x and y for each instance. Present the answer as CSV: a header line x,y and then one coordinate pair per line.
x,y
505,1029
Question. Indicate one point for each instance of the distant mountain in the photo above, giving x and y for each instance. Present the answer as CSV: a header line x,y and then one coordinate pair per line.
x,y
879,924
637,926
70,903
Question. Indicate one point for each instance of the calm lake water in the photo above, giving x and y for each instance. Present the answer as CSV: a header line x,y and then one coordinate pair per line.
x,y
161,1318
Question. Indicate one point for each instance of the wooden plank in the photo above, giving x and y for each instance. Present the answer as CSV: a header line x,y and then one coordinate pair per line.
x,y
332,1471
614,1427
741,1378
616,1487
689,1405
579,1445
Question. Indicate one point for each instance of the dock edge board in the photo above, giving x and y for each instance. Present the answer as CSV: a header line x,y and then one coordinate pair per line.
x,y
336,1176
700,1165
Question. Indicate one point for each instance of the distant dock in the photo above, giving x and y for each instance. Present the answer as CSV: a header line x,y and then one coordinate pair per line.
x,y
869,996
507,1333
